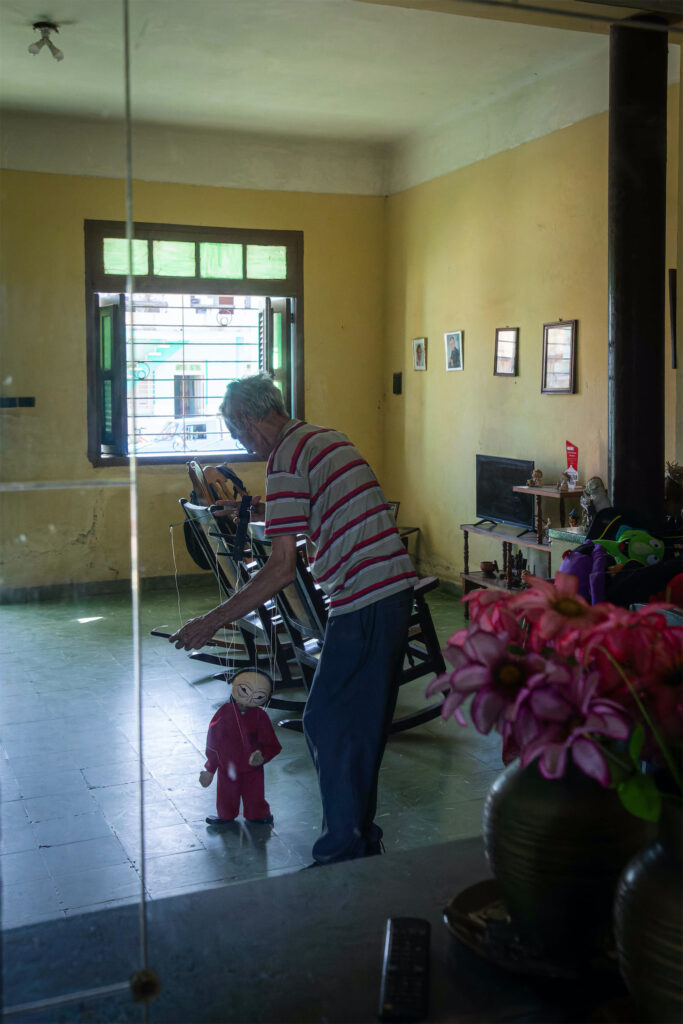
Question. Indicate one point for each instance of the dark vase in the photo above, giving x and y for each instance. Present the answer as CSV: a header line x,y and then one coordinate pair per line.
x,y
648,923
556,848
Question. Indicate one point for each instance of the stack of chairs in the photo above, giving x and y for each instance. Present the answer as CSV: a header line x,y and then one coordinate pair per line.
x,y
304,612
288,632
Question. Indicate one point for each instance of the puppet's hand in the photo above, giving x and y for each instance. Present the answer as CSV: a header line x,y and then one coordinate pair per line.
x,y
256,759
206,778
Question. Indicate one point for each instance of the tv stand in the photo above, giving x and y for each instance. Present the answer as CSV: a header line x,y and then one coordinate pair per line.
x,y
509,536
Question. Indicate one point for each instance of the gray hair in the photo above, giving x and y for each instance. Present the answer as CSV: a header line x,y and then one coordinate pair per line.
x,y
253,398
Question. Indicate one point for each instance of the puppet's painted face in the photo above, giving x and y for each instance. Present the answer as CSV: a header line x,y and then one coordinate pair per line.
x,y
251,689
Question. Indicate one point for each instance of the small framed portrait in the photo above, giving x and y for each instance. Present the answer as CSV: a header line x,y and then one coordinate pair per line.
x,y
454,350
505,356
419,353
559,358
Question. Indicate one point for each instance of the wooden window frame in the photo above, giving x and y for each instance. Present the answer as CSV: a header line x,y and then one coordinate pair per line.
x,y
96,281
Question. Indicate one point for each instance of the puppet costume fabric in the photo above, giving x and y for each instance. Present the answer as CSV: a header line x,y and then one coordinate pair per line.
x,y
232,738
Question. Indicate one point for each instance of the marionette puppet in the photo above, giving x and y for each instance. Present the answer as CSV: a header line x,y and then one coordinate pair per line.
x,y
241,739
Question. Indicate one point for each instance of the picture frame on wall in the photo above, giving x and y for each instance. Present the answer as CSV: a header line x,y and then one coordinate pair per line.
x,y
454,350
559,358
505,358
419,353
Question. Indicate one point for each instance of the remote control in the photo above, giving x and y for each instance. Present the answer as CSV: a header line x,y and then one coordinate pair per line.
x,y
404,994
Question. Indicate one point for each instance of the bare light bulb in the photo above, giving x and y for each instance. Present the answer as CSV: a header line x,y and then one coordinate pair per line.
x,y
46,27
55,51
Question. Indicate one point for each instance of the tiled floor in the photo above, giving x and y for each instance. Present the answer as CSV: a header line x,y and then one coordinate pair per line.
x,y
70,838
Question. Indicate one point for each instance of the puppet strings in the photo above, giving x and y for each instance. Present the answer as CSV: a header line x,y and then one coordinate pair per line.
x,y
175,570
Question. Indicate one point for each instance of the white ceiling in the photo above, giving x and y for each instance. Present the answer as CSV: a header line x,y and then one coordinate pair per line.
x,y
333,68
310,72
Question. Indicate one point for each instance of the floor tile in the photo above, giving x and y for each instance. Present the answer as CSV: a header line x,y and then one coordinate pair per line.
x,y
24,866
72,829
70,859
51,783
97,886
45,808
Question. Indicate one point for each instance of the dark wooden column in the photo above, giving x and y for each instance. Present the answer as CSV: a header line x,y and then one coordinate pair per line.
x,y
636,251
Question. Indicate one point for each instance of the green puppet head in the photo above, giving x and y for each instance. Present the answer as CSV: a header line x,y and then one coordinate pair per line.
x,y
634,545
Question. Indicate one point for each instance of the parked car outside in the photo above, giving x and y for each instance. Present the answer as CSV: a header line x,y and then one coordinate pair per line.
x,y
190,435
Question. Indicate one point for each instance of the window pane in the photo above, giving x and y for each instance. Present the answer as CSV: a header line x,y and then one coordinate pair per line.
x,y
174,259
221,259
107,408
115,252
105,340
277,341
267,261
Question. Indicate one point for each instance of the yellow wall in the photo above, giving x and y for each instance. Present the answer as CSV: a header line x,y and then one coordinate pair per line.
x,y
82,535
516,240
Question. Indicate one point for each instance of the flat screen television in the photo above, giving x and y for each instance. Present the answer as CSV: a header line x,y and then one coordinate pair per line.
x,y
496,501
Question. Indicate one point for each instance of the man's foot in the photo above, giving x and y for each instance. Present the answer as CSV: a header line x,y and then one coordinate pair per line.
x,y
374,849
260,821
212,820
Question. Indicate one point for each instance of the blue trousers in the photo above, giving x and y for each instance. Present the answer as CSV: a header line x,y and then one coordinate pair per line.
x,y
347,718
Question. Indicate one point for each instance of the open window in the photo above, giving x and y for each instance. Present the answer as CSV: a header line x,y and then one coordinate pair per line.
x,y
172,318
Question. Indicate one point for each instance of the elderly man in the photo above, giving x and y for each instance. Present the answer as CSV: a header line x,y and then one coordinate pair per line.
x,y
319,485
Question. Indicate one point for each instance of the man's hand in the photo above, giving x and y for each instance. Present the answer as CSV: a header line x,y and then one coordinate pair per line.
x,y
228,507
256,759
195,633
206,778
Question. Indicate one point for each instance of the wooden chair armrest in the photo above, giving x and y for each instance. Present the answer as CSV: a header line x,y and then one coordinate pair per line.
x,y
426,583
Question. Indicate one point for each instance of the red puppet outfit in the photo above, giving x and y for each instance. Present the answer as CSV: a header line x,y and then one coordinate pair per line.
x,y
233,736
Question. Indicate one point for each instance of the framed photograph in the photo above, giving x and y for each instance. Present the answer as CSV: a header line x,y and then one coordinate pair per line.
x,y
505,355
419,353
454,353
559,358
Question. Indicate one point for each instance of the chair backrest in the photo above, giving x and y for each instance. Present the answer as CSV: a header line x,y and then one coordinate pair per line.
x,y
215,541
300,603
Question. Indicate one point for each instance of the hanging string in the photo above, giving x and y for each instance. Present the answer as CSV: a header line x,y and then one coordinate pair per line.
x,y
175,571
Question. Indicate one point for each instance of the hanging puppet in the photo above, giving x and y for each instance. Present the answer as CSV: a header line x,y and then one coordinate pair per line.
x,y
241,739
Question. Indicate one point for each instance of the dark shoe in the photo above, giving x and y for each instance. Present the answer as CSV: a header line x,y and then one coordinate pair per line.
x,y
260,821
315,864
375,849
211,820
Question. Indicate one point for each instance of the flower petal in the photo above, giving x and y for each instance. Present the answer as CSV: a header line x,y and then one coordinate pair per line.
x,y
590,759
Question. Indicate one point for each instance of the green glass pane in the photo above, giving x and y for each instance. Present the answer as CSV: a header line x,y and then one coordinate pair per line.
x,y
115,252
277,341
267,261
105,339
220,259
107,408
174,259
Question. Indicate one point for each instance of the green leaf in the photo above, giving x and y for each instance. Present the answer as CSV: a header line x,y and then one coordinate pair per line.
x,y
635,743
640,796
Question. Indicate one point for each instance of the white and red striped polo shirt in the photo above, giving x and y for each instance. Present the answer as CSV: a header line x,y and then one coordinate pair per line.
x,y
319,485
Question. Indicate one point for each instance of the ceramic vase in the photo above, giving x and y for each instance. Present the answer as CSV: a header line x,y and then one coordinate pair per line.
x,y
648,923
556,848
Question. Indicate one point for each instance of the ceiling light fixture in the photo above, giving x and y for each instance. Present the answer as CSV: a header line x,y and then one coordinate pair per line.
x,y
45,27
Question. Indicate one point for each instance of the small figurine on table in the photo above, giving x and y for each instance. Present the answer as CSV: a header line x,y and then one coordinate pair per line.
x,y
574,517
536,479
240,741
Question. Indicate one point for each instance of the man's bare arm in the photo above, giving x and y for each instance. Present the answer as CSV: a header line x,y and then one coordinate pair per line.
x,y
278,571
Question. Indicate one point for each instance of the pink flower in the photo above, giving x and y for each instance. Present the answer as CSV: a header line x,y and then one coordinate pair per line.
x,y
491,610
568,720
484,666
555,610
